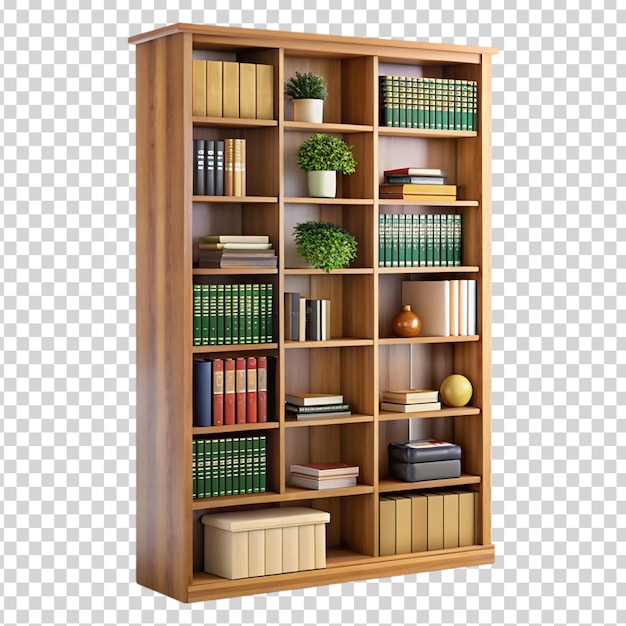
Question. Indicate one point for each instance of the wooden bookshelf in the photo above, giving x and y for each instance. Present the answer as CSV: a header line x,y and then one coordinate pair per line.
x,y
362,358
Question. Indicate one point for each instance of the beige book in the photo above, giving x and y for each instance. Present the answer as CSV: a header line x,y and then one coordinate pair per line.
x,y
430,301
463,295
451,520
320,546
273,550
302,332
230,89
467,518
306,547
435,521
247,90
198,88
243,167
264,92
419,523
454,307
256,552
403,524
229,167
387,526
290,549
214,77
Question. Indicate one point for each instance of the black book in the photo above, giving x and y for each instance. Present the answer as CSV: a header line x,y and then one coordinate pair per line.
x,y
210,167
219,168
199,188
272,408
202,393
424,451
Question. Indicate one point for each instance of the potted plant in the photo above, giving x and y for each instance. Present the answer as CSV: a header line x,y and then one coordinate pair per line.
x,y
325,245
308,92
321,156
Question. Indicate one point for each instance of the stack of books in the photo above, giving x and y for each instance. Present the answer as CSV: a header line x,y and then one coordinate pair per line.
x,y
306,319
425,459
236,251
303,406
417,183
410,400
324,475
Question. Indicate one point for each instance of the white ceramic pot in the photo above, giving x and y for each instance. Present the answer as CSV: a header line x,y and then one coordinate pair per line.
x,y
308,110
322,184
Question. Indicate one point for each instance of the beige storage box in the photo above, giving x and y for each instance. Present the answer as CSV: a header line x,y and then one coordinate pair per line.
x,y
243,544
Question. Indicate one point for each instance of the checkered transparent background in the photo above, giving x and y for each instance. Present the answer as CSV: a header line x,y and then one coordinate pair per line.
x,y
559,229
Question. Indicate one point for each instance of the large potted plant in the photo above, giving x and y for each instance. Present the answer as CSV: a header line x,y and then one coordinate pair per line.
x,y
308,92
321,156
324,245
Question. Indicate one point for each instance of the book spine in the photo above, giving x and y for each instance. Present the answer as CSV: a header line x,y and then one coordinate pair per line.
x,y
194,469
242,166
458,239
249,463
261,389
262,313
212,309
211,468
218,392
401,240
198,84
249,313
251,391
228,466
430,226
220,315
221,467
235,466
256,307
381,240
234,313
326,408
264,91
237,168
214,72
240,390
395,249
219,167
247,90
228,339
229,391
199,167
229,167
230,87
402,101
200,479
415,240
436,239
242,313
202,393
256,464
269,318
209,180
197,315
263,463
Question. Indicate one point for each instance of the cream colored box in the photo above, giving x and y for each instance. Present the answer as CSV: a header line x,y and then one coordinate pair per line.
x,y
242,544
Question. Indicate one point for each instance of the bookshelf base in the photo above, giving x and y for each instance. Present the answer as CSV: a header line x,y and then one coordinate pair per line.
x,y
342,566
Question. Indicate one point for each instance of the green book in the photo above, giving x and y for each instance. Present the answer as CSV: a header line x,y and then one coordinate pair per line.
x,y
234,313
212,465
220,315
457,105
212,307
420,103
432,103
422,239
235,466
249,312
458,239
415,240
401,241
436,240
402,101
200,489
228,336
438,104
381,240
221,467
228,466
395,101
473,121
262,313
386,89
249,457
450,239
430,224
205,315
269,313
395,238
256,464
412,102
197,315
388,240
263,465
194,469
464,104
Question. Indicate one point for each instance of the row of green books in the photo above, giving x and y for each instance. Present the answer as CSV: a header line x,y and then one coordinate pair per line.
x,y
432,103
420,240
229,466
232,314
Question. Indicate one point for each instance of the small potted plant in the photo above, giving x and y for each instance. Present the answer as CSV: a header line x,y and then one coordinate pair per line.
x,y
308,92
325,245
321,156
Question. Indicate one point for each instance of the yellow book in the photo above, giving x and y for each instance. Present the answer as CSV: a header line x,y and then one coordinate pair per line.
x,y
450,520
403,524
230,89
247,90
214,89
264,92
467,518
198,88
419,523
229,167
387,526
435,521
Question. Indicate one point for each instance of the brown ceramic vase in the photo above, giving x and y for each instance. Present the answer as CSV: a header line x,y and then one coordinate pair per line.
x,y
406,323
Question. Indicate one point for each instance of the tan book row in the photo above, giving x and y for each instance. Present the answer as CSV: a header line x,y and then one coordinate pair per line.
x,y
230,89
417,522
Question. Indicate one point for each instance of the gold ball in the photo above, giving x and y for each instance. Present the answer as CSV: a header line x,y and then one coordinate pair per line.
x,y
456,390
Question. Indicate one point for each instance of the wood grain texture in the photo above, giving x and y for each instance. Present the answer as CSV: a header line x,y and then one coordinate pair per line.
x,y
163,314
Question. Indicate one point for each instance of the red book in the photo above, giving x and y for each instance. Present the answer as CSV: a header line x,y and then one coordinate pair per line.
x,y
261,389
415,171
218,392
229,391
251,400
240,390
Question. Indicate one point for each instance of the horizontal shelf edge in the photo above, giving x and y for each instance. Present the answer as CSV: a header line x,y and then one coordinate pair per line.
x,y
328,127
225,271
330,343
236,199
389,485
234,428
309,200
388,131
240,122
433,202
347,271
389,416
325,421
452,339
236,347
438,269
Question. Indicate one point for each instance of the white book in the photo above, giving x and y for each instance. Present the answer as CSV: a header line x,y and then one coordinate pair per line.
x,y
472,307
454,307
463,307
430,300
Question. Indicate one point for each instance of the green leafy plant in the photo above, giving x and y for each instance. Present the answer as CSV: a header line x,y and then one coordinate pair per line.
x,y
307,85
321,152
325,245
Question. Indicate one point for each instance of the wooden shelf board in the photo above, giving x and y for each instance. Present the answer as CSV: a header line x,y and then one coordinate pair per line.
x,y
236,199
237,122
355,418
327,128
390,485
269,497
350,201
389,416
295,493
440,269
433,202
233,428
227,271
313,272
236,347
387,131
452,339
336,342
341,566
